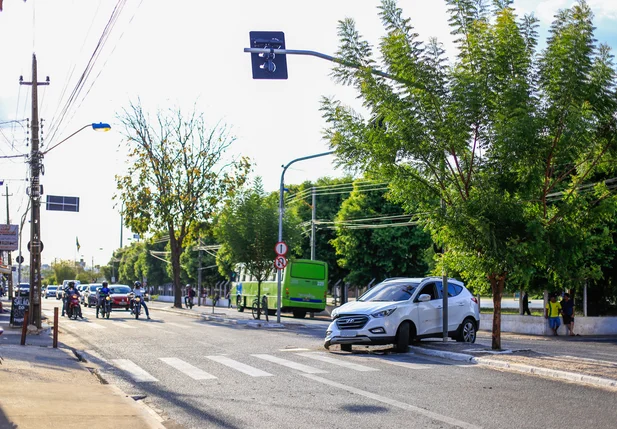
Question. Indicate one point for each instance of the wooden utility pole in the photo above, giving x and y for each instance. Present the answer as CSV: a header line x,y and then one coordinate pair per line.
x,y
35,245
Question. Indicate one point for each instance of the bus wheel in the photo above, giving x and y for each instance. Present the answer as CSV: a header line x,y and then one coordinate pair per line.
x,y
299,314
239,304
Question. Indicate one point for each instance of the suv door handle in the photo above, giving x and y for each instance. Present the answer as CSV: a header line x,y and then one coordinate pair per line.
x,y
461,303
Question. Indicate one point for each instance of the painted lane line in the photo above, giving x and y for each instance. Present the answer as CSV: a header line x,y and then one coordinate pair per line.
x,y
396,362
394,403
238,366
289,364
134,371
298,349
96,326
321,357
124,325
178,325
188,369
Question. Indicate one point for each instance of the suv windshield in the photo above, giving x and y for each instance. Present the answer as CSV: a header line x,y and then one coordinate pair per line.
x,y
390,292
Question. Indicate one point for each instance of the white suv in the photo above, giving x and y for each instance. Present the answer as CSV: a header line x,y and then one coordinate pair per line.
x,y
400,310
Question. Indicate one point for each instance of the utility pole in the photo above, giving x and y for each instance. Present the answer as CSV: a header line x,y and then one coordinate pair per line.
x,y
199,293
10,261
313,228
36,158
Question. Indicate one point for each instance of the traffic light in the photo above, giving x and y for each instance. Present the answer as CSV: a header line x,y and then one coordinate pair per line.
x,y
268,65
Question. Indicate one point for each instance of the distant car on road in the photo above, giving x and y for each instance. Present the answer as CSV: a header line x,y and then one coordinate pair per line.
x,y
120,296
22,289
90,294
50,291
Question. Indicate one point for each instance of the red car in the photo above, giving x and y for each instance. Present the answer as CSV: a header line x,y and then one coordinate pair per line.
x,y
119,296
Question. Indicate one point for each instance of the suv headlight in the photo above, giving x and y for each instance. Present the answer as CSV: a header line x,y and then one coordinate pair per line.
x,y
334,314
383,313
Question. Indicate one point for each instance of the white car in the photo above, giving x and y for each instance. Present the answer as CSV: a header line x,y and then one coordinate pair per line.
x,y
401,310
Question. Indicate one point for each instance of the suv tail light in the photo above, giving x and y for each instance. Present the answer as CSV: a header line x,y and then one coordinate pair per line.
x,y
474,299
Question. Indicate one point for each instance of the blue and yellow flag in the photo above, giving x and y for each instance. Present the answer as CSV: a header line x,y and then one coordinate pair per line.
x,y
77,243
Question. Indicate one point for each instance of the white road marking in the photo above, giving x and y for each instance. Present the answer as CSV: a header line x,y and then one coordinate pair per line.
x,y
289,364
321,357
395,362
124,325
299,349
188,369
95,325
96,355
246,369
178,325
393,403
134,371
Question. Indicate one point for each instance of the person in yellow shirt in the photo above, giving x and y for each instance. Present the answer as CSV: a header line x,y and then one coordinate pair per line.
x,y
552,312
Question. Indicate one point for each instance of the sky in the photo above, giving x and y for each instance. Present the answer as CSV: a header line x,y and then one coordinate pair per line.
x,y
180,54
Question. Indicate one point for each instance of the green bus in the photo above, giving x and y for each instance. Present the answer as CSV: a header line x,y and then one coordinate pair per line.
x,y
304,287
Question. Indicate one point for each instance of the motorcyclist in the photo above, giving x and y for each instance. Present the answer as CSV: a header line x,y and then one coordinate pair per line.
x,y
138,291
72,290
104,292
65,296
190,294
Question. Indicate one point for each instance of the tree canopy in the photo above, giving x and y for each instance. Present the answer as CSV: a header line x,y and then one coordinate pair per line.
x,y
515,143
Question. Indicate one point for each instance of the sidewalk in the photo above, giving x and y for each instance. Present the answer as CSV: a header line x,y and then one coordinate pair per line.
x,y
574,369
42,387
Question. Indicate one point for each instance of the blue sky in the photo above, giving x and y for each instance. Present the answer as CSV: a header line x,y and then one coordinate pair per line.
x,y
172,54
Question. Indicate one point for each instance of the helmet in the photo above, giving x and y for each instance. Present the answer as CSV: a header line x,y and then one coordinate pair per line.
x,y
137,284
105,284
71,284
188,285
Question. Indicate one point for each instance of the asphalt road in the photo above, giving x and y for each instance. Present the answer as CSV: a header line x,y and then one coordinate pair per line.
x,y
207,375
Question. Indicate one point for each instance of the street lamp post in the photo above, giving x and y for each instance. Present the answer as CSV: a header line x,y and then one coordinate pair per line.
x,y
281,210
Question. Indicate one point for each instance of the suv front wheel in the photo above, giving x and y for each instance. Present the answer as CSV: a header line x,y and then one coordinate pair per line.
x,y
402,338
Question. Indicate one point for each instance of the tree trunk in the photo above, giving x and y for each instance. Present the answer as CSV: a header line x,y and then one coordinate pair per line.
x,y
497,286
175,267
259,300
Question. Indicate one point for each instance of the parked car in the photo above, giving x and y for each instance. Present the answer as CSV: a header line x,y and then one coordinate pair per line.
x,y
90,294
401,310
50,291
59,292
119,296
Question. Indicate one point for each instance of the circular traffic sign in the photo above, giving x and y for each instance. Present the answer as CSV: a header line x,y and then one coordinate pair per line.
x,y
40,244
281,248
280,262
19,259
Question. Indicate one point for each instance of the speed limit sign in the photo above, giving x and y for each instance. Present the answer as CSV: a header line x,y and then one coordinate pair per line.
x,y
280,262
281,248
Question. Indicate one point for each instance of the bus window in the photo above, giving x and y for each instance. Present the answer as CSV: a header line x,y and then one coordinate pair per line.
x,y
308,271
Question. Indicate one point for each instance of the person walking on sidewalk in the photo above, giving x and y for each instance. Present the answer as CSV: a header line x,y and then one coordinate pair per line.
x,y
567,311
551,312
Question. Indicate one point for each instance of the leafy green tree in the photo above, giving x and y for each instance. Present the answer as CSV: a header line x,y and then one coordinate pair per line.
x,y
178,176
247,230
190,263
374,248
494,136
64,270
329,195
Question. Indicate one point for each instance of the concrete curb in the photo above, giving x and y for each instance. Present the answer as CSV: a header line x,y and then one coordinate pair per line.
x,y
517,367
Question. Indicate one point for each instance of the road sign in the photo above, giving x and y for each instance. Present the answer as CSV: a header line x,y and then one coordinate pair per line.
x,y
280,262
41,244
19,259
9,239
62,204
268,66
281,248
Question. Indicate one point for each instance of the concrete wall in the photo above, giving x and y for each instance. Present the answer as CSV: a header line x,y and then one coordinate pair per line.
x,y
536,325
221,302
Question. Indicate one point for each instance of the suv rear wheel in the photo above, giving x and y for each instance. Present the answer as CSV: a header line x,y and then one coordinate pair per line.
x,y
467,331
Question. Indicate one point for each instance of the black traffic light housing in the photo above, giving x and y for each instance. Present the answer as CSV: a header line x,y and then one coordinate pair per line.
x,y
268,65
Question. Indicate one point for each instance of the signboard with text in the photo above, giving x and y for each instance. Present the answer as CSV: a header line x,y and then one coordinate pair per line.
x,y
9,237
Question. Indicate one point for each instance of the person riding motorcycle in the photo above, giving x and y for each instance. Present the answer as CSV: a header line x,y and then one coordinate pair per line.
x,y
68,293
138,291
104,292
190,294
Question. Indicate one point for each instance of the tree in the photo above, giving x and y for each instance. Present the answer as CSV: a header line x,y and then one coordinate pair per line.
x,y
330,194
373,248
247,230
178,176
190,262
493,137
64,270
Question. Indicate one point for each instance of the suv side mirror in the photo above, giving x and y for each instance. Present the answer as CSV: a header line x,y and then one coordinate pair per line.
x,y
424,297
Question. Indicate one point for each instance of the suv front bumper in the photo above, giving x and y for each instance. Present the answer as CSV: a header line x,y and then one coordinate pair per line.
x,y
376,331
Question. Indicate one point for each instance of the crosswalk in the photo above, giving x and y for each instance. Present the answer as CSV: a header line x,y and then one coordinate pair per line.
x,y
211,367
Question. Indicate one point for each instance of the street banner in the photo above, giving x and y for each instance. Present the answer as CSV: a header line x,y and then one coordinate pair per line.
x,y
9,237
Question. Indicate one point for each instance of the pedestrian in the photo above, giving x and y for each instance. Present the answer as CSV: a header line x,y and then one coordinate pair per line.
x,y
567,311
526,304
228,297
551,312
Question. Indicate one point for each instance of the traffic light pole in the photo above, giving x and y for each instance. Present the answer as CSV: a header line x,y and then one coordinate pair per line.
x,y
36,158
281,210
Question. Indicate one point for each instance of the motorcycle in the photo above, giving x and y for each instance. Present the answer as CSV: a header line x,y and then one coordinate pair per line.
x,y
136,310
189,302
74,309
104,306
